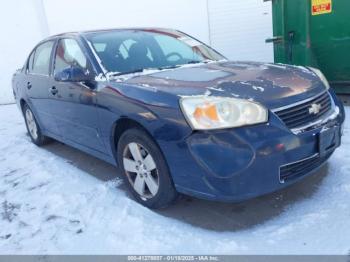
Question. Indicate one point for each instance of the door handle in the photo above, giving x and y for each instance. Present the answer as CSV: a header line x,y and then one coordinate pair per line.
x,y
29,85
291,35
53,90
275,40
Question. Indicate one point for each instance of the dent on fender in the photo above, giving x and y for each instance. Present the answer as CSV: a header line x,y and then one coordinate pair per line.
x,y
217,153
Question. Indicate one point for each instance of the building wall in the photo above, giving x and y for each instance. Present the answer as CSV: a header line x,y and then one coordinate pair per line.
x,y
22,26
236,28
187,15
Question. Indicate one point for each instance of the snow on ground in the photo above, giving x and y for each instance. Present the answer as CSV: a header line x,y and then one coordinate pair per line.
x,y
49,205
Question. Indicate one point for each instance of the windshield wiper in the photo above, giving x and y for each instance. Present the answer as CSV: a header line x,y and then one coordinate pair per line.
x,y
168,67
126,73
194,62
140,70
198,61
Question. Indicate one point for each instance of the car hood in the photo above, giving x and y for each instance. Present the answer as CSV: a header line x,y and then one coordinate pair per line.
x,y
272,85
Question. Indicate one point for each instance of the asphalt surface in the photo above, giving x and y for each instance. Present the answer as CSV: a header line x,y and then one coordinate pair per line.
x,y
210,215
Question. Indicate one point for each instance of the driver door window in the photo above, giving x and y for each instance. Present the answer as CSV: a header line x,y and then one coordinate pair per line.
x,y
69,54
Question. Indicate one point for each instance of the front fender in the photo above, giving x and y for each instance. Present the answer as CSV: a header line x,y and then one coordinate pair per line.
x,y
159,114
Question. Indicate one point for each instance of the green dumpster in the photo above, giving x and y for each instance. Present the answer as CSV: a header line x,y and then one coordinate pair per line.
x,y
314,33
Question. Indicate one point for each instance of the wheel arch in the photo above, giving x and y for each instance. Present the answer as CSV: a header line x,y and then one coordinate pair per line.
x,y
22,103
119,127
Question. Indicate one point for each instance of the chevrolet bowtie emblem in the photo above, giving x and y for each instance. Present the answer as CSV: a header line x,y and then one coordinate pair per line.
x,y
315,109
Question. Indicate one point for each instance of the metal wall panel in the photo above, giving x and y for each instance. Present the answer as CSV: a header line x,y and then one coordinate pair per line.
x,y
238,28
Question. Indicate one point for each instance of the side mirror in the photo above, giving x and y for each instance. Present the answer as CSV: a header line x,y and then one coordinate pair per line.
x,y
73,74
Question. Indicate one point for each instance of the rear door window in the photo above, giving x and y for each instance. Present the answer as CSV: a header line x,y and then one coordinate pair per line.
x,y
39,62
30,62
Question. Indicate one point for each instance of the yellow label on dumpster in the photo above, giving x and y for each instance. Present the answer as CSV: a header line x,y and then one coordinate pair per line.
x,y
319,7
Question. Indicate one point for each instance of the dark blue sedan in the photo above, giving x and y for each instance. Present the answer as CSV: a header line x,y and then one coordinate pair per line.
x,y
177,117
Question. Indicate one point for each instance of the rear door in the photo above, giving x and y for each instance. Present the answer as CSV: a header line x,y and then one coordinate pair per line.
x,y
74,103
37,85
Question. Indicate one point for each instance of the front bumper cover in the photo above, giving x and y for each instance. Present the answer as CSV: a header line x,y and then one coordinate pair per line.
x,y
242,163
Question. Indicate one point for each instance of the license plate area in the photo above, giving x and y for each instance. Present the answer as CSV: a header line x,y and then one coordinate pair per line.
x,y
328,140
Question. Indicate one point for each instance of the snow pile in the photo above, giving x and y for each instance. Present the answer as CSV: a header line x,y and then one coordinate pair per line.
x,y
48,205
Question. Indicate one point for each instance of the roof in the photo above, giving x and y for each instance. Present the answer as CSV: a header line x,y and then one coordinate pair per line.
x,y
109,30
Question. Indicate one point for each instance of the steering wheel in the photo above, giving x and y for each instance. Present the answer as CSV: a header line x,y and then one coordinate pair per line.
x,y
180,57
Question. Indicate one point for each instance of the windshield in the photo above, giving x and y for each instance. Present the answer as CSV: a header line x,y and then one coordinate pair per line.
x,y
126,51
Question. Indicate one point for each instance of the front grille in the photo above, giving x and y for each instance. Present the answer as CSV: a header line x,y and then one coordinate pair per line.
x,y
298,169
299,115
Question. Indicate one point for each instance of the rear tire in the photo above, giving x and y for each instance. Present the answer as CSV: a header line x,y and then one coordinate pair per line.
x,y
33,128
145,169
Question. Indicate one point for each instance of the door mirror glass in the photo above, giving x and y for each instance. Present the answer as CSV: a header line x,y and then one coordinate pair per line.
x,y
73,74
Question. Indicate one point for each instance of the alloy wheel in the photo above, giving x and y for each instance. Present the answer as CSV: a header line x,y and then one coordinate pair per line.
x,y
32,127
141,170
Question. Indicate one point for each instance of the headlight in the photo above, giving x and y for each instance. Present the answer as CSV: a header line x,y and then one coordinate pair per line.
x,y
205,112
321,76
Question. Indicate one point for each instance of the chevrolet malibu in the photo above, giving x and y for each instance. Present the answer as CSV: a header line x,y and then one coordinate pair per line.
x,y
176,116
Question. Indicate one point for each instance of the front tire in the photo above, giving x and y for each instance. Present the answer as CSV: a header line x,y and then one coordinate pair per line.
x,y
145,169
33,128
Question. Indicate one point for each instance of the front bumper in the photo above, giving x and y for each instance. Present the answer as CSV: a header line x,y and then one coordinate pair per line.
x,y
242,163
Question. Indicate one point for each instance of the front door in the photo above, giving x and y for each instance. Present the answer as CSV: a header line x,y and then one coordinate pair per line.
x,y
74,103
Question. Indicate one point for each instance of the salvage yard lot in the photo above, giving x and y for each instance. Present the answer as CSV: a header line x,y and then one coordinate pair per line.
x,y
57,200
